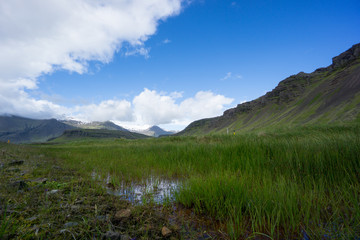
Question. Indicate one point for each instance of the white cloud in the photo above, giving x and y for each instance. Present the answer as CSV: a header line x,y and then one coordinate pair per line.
x,y
166,41
229,75
39,37
153,108
119,110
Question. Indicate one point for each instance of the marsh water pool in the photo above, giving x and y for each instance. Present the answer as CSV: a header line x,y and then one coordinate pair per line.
x,y
152,189
155,189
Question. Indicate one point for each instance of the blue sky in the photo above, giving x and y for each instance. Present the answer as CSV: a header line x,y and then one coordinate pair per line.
x,y
184,61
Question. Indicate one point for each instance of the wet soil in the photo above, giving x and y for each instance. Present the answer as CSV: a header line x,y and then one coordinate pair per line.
x,y
41,199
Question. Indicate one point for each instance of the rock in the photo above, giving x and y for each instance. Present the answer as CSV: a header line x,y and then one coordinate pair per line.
x,y
70,224
40,180
125,237
165,231
31,218
52,191
346,57
16,162
122,214
74,207
112,235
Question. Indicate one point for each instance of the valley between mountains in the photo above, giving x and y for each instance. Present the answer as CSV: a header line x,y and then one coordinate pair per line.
x,y
283,166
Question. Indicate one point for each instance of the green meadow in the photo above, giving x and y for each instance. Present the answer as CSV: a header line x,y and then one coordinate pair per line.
x,y
302,183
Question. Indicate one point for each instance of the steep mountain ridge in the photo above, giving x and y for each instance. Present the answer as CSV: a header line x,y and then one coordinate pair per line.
x,y
94,125
328,95
26,130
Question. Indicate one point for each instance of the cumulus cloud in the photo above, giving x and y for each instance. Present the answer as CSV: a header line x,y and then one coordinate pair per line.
x,y
119,110
39,37
153,108
166,41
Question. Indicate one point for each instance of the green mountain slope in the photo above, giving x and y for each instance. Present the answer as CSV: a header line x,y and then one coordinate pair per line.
x,y
81,134
329,95
25,130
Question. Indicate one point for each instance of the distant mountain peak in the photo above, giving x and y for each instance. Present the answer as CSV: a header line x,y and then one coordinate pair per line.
x,y
94,125
155,131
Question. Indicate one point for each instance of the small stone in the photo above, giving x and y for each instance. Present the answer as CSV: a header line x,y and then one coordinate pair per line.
x,y
126,237
52,191
112,235
122,214
40,180
70,224
16,162
32,218
74,207
165,231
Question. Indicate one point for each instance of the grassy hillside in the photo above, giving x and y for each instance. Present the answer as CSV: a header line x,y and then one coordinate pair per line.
x,y
83,134
327,96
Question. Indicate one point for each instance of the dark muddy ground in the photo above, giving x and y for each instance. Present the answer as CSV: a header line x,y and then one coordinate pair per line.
x,y
40,199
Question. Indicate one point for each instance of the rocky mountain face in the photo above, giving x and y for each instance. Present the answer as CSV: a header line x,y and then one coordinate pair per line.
x,y
328,95
156,131
94,125
25,130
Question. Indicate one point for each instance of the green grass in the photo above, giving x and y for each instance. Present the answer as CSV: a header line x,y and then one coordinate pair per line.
x,y
278,183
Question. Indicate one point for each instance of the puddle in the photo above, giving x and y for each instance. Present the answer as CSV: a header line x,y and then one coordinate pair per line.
x,y
153,189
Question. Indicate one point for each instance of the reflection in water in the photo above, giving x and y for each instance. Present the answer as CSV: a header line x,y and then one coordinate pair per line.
x,y
154,189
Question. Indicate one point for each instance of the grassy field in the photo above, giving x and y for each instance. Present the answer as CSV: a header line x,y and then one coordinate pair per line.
x,y
302,183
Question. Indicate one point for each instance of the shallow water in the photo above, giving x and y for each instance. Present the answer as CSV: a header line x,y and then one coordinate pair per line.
x,y
153,189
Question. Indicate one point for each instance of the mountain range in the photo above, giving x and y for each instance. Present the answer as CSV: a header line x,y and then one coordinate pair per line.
x,y
329,95
94,125
25,130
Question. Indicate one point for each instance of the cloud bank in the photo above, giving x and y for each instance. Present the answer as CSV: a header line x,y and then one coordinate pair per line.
x,y
39,37
153,108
